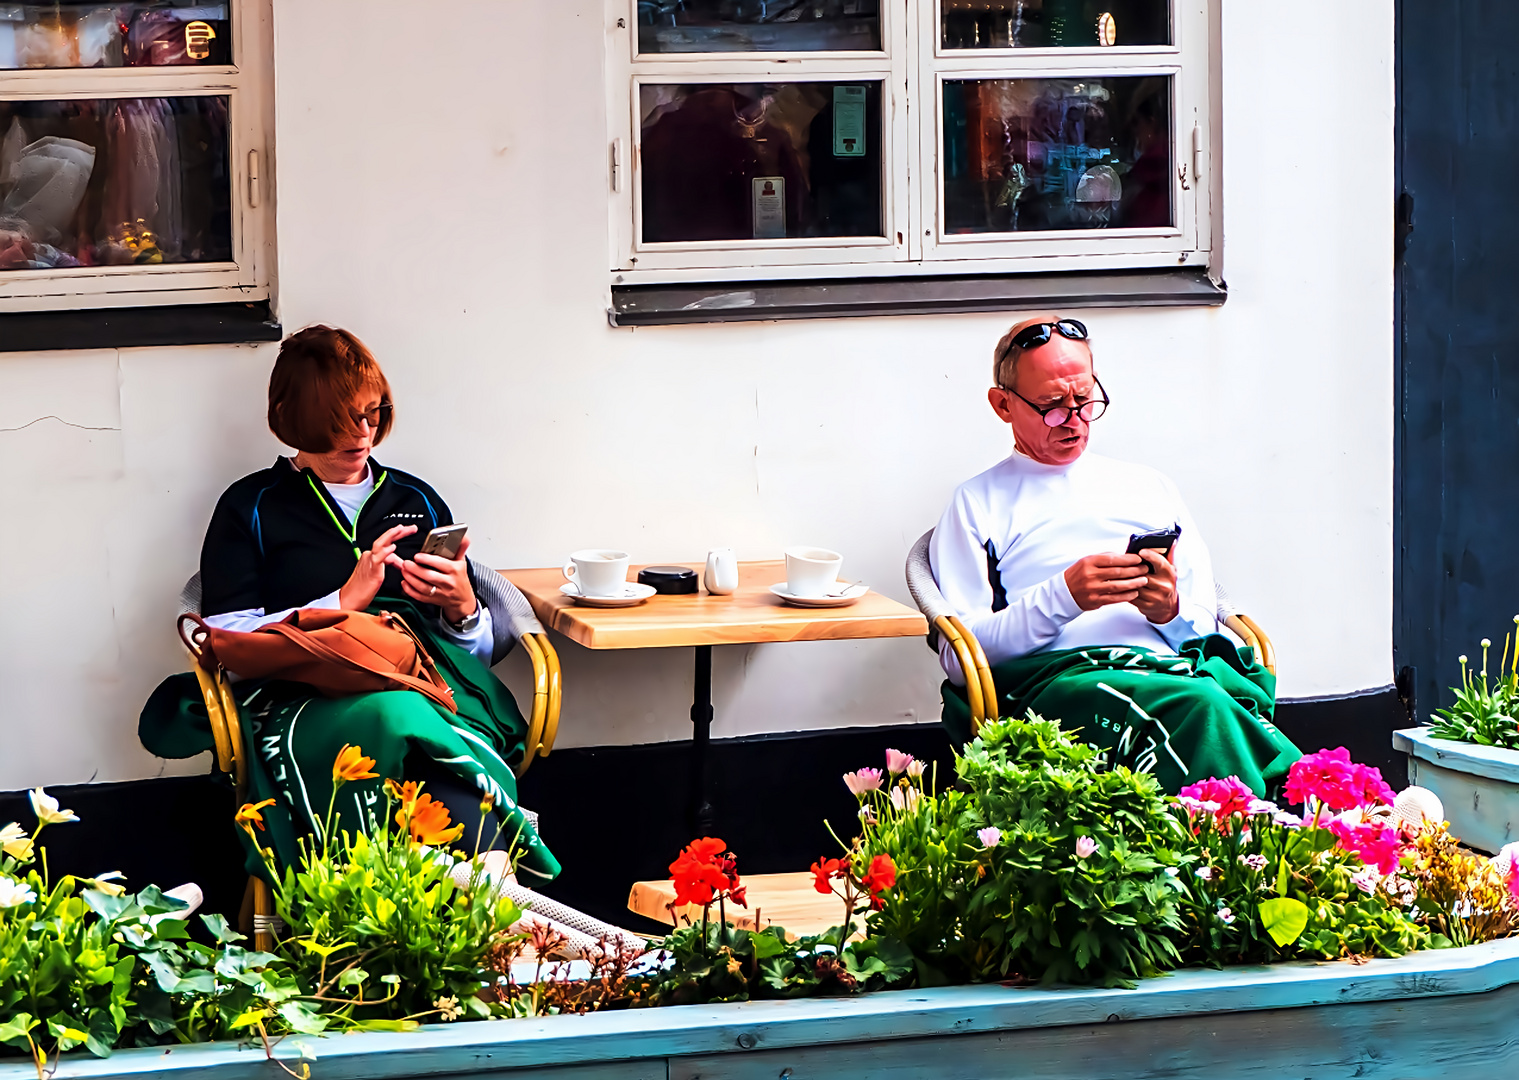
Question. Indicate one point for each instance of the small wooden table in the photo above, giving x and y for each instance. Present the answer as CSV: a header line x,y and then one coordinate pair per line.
x,y
750,615
786,900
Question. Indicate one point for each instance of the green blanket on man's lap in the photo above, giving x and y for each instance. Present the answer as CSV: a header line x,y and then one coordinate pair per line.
x,y
1206,712
292,736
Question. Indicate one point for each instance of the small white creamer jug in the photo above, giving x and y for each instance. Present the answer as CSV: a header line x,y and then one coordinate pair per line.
x,y
721,577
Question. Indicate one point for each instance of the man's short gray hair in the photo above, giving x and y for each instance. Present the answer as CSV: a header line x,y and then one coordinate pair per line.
x,y
1006,356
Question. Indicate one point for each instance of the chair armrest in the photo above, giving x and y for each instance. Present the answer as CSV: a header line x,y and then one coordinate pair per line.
x,y
543,718
1252,635
980,691
512,616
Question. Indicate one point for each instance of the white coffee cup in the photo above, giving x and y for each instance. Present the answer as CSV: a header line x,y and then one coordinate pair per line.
x,y
811,571
598,572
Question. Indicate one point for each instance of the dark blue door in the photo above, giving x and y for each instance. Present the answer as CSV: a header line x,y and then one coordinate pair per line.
x,y
1456,511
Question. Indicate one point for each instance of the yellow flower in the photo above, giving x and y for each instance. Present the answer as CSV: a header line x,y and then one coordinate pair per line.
x,y
351,764
248,815
46,808
428,822
15,843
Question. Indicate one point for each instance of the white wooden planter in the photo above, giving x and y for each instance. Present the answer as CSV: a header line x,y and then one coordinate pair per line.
x,y
1479,785
1434,1015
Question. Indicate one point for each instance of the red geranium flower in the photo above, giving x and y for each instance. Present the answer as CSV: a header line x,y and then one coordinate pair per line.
x,y
705,872
823,873
881,876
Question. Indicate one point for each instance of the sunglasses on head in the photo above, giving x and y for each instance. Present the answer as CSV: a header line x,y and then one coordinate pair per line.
x,y
1037,334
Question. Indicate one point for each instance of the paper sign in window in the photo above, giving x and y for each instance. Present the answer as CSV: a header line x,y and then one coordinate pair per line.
x,y
769,207
848,121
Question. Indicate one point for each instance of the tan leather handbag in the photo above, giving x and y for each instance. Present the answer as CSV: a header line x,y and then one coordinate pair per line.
x,y
336,652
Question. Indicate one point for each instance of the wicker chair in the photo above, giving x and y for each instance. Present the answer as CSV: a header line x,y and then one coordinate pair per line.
x,y
980,692
512,620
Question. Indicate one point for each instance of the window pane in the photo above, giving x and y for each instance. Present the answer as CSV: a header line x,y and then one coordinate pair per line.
x,y
1029,154
761,161
114,182
88,33
1039,24
683,26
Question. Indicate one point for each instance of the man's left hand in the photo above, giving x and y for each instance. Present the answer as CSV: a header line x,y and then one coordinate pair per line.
x,y
1158,600
432,579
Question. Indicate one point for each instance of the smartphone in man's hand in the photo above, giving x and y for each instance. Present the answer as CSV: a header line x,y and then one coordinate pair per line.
x,y
1162,540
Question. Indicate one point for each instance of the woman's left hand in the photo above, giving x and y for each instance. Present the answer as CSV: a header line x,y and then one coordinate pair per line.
x,y
432,579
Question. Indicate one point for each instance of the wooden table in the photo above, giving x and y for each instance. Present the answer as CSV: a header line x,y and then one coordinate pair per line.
x,y
751,615
786,900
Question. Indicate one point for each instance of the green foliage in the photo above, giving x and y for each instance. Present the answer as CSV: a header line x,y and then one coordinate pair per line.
x,y
1032,904
1261,891
710,962
382,936
1484,713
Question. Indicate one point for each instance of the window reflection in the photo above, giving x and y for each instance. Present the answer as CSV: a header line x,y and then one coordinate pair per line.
x,y
1029,154
1040,24
89,34
761,161
114,182
681,26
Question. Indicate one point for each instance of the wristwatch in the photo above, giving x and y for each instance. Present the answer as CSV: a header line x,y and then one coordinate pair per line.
x,y
469,622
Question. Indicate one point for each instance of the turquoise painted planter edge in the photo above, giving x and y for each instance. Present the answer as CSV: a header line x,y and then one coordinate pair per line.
x,y
469,1048
1493,762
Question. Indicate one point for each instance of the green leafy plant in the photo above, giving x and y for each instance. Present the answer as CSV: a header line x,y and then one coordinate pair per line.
x,y
1050,867
380,934
1485,713
1262,887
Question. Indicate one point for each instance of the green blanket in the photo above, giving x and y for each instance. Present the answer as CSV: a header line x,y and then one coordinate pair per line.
x,y
293,735
1206,712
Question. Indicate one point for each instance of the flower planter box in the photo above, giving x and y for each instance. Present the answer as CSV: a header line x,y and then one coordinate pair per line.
x,y
1438,1014
1479,785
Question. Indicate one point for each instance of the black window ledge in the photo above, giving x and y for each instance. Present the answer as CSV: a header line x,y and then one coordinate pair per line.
x,y
664,305
126,328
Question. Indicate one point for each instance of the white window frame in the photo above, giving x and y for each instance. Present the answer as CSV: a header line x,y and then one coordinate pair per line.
x,y
913,67
248,84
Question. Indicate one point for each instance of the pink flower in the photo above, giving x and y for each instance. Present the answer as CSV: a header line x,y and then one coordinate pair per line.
x,y
1231,795
916,768
1225,916
1377,845
1254,862
1334,780
1366,880
905,798
1506,862
989,836
897,762
1085,845
1205,872
862,781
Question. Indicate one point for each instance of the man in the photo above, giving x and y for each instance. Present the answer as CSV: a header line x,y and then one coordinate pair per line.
x,y
1123,647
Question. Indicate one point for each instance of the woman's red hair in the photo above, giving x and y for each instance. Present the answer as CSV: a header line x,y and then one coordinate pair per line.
x,y
315,385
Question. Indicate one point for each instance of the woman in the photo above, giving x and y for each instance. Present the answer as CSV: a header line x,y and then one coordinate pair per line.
x,y
333,528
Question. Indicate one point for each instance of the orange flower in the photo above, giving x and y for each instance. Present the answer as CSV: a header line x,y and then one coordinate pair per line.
x,y
427,820
352,765
248,815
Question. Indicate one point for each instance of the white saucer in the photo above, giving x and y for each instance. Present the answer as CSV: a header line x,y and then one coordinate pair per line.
x,y
634,594
850,594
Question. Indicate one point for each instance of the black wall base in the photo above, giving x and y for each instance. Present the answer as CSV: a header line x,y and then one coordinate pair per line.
x,y
614,814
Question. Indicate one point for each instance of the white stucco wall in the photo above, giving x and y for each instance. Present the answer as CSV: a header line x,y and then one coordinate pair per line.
x,y
442,191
